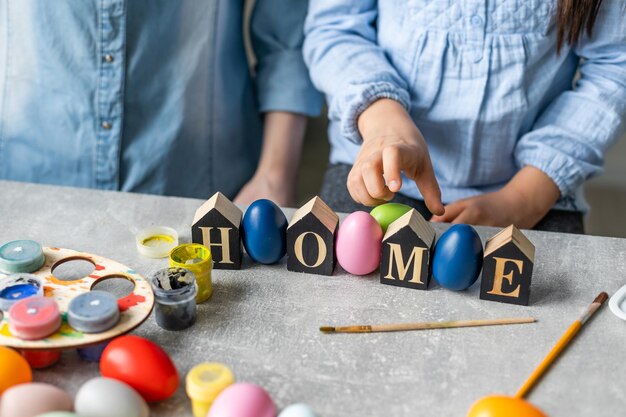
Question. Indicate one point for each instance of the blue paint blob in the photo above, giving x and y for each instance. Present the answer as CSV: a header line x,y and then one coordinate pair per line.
x,y
16,287
265,232
17,292
93,312
458,258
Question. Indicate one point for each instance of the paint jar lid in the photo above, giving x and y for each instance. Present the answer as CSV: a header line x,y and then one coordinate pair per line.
x,y
34,318
205,381
93,312
16,287
156,241
21,256
617,303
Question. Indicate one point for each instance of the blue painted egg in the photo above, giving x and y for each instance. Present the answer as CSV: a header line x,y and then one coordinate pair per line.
x,y
265,232
458,258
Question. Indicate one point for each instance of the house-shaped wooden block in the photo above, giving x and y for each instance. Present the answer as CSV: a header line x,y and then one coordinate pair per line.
x,y
508,267
216,225
311,239
407,245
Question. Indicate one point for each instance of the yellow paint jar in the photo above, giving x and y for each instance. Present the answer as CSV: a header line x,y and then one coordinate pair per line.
x,y
196,258
204,383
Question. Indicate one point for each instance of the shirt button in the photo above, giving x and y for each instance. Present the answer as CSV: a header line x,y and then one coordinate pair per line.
x,y
107,125
108,58
476,20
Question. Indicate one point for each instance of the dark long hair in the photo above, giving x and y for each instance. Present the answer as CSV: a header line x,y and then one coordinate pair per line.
x,y
573,17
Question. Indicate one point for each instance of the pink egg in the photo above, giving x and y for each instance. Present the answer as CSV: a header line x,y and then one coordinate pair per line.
x,y
359,242
30,400
243,400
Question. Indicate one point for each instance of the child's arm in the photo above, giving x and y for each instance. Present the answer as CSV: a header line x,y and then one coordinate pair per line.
x,y
285,96
569,139
346,63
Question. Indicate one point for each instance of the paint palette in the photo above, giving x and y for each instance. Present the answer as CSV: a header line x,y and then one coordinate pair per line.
x,y
67,274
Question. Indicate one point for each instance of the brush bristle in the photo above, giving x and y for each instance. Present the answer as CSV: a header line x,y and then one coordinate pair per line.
x,y
601,298
327,329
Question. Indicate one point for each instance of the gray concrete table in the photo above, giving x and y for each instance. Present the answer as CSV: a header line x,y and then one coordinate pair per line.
x,y
263,321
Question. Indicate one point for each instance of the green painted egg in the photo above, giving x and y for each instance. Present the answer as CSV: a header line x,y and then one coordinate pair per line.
x,y
385,214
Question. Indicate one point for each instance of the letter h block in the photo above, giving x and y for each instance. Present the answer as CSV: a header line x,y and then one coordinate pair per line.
x,y
508,267
216,225
311,239
406,251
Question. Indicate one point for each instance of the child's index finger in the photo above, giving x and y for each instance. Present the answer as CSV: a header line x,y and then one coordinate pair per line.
x,y
392,168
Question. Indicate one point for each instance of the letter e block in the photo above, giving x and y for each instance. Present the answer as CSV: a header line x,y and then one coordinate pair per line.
x,y
508,268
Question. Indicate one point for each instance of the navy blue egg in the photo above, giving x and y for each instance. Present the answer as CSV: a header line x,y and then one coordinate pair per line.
x,y
458,258
265,232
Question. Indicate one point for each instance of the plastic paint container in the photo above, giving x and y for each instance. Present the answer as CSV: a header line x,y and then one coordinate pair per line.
x,y
204,383
21,256
34,318
175,293
16,287
93,312
196,258
92,353
156,241
40,359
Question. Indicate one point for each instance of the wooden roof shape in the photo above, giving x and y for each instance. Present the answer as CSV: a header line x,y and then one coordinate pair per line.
x,y
508,235
416,222
320,210
223,205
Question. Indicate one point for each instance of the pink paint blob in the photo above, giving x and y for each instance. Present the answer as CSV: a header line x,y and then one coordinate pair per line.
x,y
359,243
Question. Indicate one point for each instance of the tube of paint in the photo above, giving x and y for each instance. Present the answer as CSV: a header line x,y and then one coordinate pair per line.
x,y
175,292
196,258
40,359
92,353
16,287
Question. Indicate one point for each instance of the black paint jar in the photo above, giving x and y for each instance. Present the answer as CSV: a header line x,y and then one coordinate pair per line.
x,y
175,298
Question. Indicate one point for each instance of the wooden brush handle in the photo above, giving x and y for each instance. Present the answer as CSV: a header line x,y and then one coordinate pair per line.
x,y
425,326
548,360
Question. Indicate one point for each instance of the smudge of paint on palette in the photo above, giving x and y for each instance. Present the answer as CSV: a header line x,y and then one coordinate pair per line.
x,y
67,331
99,267
48,291
57,281
129,301
4,330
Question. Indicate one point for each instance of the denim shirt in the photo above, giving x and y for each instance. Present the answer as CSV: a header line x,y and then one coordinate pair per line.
x,y
151,96
482,81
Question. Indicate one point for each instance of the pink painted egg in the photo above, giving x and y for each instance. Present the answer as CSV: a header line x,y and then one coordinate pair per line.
x,y
243,400
359,242
30,400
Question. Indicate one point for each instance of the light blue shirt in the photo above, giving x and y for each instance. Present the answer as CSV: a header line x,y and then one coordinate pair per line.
x,y
151,96
482,81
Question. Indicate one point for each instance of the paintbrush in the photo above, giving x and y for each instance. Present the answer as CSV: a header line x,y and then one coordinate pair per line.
x,y
561,344
423,326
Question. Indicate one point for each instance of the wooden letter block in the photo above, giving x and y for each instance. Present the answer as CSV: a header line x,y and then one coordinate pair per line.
x,y
407,245
216,225
508,267
311,239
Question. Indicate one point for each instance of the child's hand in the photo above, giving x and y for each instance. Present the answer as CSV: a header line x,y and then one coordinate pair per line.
x,y
391,144
524,201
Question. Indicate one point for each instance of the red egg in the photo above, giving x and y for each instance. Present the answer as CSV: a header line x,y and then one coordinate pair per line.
x,y
141,364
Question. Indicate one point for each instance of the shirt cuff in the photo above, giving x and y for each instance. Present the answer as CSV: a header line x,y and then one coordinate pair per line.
x,y
283,84
361,99
562,169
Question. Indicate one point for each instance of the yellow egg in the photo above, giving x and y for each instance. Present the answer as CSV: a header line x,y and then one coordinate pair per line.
x,y
502,406
13,369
